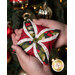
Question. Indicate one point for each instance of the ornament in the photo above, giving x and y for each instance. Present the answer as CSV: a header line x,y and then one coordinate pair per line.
x,y
8,57
9,30
19,4
37,40
22,73
57,65
45,11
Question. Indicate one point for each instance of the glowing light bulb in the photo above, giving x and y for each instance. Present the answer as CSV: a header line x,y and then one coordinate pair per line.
x,y
52,60
34,7
58,49
60,1
65,48
41,7
22,7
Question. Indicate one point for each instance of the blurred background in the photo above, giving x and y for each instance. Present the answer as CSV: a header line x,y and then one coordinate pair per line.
x,y
17,11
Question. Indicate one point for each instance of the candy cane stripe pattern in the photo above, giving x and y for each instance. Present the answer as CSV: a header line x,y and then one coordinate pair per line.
x,y
37,40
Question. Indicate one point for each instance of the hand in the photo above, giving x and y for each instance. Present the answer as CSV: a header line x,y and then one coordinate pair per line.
x,y
29,64
62,40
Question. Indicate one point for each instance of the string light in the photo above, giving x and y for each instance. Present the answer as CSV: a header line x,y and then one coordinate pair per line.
x,y
58,49
52,60
34,7
66,48
25,6
22,7
40,7
60,1
13,2
20,1
36,11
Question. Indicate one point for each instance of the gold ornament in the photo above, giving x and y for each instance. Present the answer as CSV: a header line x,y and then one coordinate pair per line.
x,y
45,11
57,65
22,73
28,15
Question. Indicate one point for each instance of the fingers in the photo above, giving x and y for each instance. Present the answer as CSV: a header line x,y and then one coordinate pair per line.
x,y
14,39
48,23
43,22
18,31
16,36
38,22
47,69
21,54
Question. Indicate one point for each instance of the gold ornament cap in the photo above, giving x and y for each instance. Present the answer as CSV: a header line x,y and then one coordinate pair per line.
x,y
57,65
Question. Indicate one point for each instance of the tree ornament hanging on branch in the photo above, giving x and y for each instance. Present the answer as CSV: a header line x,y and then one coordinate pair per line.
x,y
19,4
45,11
57,65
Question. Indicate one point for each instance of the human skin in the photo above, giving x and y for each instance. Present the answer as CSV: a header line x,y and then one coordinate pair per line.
x,y
62,39
31,64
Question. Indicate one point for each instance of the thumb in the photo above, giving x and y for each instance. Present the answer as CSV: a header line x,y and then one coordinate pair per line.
x,y
43,22
20,53
38,22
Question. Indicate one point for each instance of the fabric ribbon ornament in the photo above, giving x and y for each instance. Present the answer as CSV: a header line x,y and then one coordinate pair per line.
x,y
37,40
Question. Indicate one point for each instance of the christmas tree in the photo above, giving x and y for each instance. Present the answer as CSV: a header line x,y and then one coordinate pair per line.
x,y
47,9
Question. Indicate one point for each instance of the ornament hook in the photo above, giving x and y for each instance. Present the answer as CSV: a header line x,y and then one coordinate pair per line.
x,y
26,15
